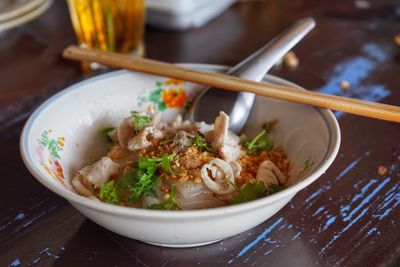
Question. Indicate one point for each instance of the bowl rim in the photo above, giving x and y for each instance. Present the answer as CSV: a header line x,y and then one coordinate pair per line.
x,y
333,148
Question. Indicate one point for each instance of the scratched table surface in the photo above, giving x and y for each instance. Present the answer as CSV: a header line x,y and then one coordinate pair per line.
x,y
348,217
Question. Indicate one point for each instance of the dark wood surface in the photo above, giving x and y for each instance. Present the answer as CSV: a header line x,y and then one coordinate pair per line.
x,y
348,217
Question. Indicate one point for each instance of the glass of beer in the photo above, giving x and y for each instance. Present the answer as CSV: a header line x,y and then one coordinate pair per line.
x,y
109,25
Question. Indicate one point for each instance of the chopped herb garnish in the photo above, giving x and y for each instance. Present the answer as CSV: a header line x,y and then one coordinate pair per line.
x,y
139,121
167,141
260,142
255,190
144,163
108,193
164,162
144,184
132,185
138,182
275,188
250,191
168,204
126,182
146,177
308,164
104,133
200,142
166,165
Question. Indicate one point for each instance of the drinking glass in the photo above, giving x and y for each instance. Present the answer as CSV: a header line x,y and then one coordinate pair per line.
x,y
109,25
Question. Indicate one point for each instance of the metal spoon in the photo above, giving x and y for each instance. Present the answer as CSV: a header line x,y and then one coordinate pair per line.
x,y
238,105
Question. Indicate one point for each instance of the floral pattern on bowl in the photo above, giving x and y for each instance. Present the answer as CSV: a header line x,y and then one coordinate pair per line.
x,y
48,152
170,94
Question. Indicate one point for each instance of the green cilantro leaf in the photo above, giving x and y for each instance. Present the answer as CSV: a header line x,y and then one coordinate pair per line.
x,y
274,188
200,142
139,121
144,184
146,175
260,142
126,182
255,190
166,165
250,191
108,193
144,163
168,204
167,141
164,162
138,182
105,131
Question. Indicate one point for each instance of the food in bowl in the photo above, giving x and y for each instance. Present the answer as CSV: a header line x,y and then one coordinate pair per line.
x,y
183,165
73,118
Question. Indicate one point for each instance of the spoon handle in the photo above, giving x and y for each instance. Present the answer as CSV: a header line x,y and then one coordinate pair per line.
x,y
238,105
257,65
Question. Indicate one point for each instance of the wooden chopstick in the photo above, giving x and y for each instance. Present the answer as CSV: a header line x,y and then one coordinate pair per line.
x,y
350,105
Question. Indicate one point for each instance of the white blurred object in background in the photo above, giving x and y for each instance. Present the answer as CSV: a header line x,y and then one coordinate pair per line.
x,y
184,14
17,12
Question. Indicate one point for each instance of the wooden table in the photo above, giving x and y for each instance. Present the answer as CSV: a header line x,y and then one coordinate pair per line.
x,y
350,216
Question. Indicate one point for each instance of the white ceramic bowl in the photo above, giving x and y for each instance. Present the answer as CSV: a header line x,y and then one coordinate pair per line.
x,y
61,136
